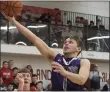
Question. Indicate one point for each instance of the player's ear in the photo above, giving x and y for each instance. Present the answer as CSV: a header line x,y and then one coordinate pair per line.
x,y
78,49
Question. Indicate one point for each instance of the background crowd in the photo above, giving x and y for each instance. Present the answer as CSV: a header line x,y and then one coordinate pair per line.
x,y
56,32
9,82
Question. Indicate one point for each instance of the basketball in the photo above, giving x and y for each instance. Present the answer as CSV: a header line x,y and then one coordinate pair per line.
x,y
11,8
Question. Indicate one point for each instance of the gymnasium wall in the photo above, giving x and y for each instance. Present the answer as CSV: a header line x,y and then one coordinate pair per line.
x,y
43,68
96,8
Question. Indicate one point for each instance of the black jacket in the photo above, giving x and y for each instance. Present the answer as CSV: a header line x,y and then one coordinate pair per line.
x,y
105,88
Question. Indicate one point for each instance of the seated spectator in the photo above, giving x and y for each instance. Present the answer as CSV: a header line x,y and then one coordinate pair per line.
x,y
6,74
107,86
100,25
58,19
10,87
29,67
28,15
91,24
85,23
10,64
77,19
24,80
69,24
39,86
78,22
34,80
2,86
15,83
45,18
33,88
82,20
15,71
49,87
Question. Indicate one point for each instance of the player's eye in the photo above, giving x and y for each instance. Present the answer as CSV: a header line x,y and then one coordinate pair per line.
x,y
70,41
65,41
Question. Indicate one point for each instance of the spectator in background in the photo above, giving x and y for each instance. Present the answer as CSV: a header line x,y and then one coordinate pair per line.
x,y
95,77
107,86
100,26
85,34
10,64
10,87
58,19
15,83
29,17
85,23
77,19
39,86
34,80
45,18
69,23
29,67
6,74
2,86
91,25
33,88
82,20
15,71
78,22
49,87
3,32
24,80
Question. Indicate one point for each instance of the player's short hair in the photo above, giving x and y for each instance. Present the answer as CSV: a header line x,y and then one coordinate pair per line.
x,y
77,39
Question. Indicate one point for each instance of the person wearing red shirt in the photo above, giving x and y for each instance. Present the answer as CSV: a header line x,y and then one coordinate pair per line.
x,y
6,74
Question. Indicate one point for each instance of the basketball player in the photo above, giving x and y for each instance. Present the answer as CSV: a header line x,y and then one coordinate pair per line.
x,y
69,73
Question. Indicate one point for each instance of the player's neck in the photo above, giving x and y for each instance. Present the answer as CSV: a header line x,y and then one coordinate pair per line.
x,y
70,55
26,88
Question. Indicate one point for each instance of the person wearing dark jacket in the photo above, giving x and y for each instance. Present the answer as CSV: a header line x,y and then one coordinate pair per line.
x,y
107,86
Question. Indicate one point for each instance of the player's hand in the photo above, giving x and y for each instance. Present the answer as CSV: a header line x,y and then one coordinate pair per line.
x,y
8,17
58,68
20,78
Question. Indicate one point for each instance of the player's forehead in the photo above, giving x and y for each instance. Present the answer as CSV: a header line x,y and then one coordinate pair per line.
x,y
69,39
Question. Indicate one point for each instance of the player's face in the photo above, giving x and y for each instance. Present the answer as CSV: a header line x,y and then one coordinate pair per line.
x,y
70,46
27,78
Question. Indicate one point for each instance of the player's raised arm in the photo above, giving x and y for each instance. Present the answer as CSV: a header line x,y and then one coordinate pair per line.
x,y
40,44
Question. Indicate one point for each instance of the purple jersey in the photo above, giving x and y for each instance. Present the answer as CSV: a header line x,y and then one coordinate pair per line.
x,y
59,83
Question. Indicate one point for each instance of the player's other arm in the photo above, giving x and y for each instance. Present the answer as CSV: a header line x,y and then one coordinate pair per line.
x,y
40,44
83,75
